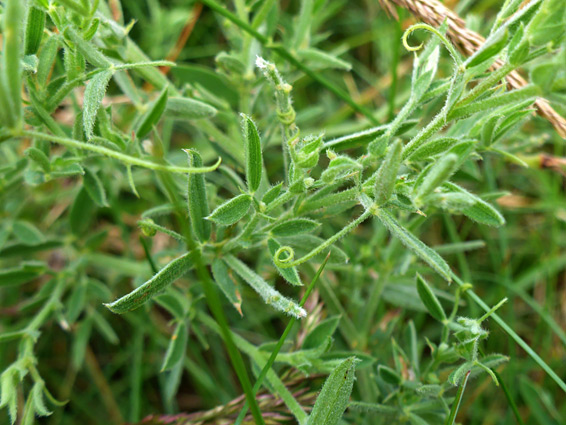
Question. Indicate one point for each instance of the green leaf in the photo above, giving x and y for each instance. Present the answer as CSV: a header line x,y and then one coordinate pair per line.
x,y
519,47
272,194
11,79
34,30
94,94
74,62
38,402
82,212
389,375
429,300
104,328
9,387
437,175
319,335
184,108
23,273
427,254
488,50
456,376
333,399
231,211
90,52
94,188
544,75
46,59
265,291
505,99
39,158
295,226
549,24
27,233
152,116
227,284
432,148
321,59
481,211
290,274
424,70
76,302
165,277
177,347
362,138
254,161
197,199
387,174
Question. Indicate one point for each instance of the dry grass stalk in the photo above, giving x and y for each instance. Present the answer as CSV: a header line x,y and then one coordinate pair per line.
x,y
434,13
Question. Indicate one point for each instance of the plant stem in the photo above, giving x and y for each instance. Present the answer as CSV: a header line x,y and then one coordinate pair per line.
x,y
280,343
127,159
215,306
288,262
456,405
290,57
513,335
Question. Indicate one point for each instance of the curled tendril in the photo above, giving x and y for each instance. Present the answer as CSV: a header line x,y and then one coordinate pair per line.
x,y
449,46
289,260
282,262
287,117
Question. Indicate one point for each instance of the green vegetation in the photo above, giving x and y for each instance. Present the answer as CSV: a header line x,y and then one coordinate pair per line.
x,y
310,212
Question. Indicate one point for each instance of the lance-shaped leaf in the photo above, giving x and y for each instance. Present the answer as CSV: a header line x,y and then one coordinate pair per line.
x,y
266,292
177,347
152,116
389,375
272,194
165,277
227,284
432,148
38,400
21,274
438,174
254,161
94,94
387,174
321,59
519,47
290,274
321,333
231,211
480,211
294,227
94,188
27,233
34,30
46,58
429,299
427,254
189,109
89,51
37,156
197,199
11,80
424,70
365,136
492,47
335,394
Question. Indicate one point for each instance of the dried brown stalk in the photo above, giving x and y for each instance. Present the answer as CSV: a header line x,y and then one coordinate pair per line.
x,y
468,42
273,408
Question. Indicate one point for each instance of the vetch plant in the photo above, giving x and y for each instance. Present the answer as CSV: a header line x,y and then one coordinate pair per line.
x,y
116,234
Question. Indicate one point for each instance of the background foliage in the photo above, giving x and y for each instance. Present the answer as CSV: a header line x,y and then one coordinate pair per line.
x,y
435,187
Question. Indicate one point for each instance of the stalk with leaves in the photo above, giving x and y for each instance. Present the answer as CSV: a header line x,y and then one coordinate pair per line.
x,y
165,257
